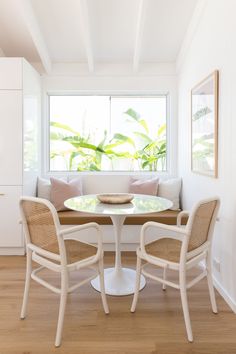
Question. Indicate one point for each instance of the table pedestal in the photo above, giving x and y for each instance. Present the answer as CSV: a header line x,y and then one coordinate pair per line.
x,y
118,281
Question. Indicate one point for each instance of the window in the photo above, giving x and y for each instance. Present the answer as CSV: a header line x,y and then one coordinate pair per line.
x,y
108,133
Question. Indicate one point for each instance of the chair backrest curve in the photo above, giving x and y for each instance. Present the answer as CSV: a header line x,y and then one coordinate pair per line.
x,y
40,223
202,221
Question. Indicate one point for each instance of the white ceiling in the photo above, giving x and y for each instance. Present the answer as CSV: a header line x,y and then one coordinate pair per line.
x,y
94,31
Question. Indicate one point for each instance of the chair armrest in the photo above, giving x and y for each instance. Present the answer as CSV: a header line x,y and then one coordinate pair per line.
x,y
180,216
164,227
76,228
171,228
91,225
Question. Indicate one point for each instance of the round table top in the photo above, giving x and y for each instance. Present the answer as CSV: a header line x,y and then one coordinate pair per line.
x,y
141,204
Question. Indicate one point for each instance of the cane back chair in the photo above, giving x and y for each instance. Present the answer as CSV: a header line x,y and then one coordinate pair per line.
x,y
180,250
54,248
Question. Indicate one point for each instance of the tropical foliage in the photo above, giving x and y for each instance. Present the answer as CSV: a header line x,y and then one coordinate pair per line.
x,y
144,150
203,143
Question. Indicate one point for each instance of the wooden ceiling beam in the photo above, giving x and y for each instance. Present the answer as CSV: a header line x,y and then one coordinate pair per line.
x,y
139,33
36,35
2,54
85,28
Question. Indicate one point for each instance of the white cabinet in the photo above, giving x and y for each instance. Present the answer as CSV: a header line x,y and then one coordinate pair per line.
x,y
11,73
10,228
11,137
20,116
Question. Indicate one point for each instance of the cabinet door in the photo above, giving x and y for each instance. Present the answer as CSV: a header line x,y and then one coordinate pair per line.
x,y
10,229
10,137
10,73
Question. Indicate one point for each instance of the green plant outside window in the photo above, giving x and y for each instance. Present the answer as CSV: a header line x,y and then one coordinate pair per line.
x,y
135,144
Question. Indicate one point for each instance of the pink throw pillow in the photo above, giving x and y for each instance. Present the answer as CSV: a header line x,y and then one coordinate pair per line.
x,y
142,186
61,190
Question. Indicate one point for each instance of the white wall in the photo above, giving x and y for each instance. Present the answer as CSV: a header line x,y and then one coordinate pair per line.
x,y
213,46
117,79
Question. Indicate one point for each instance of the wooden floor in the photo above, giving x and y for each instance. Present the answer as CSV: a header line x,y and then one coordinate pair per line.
x,y
157,327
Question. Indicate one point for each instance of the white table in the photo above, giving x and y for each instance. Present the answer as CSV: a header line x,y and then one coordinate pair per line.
x,y
118,280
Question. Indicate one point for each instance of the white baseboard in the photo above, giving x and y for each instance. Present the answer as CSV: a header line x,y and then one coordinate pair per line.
x,y
12,251
228,299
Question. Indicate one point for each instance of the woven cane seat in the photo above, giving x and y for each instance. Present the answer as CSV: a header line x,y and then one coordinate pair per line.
x,y
169,249
165,248
75,250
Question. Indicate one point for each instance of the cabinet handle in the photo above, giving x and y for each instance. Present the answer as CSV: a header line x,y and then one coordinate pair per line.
x,y
2,194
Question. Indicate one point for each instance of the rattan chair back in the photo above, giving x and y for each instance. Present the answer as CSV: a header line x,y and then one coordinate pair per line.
x,y
40,225
201,224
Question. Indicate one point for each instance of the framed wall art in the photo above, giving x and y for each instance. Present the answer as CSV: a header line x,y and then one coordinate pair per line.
x,y
204,126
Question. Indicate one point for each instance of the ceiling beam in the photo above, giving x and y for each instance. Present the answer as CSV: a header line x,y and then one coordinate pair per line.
x,y
36,35
190,33
85,28
139,33
2,54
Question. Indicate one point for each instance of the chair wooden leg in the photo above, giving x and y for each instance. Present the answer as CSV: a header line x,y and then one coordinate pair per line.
x,y
164,278
184,300
102,286
210,284
63,299
137,285
27,284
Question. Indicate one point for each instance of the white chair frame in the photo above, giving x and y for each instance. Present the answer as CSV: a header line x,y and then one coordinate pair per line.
x,y
44,259
187,260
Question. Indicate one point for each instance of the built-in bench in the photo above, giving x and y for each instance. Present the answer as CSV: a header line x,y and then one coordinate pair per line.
x,y
97,184
168,217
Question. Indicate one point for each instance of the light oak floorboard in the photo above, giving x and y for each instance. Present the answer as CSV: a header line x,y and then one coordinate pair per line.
x,y
157,327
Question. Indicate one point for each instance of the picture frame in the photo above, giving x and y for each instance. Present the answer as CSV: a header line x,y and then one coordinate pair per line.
x,y
204,126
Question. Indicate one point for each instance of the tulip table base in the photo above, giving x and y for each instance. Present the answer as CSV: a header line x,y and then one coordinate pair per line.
x,y
118,282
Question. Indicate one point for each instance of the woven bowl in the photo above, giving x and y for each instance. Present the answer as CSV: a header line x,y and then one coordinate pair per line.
x,y
115,198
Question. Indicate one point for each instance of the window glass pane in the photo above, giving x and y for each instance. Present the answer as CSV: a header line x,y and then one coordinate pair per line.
x,y
141,122
78,124
103,133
